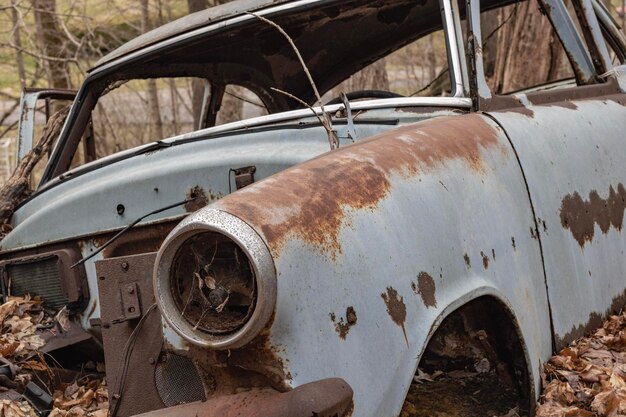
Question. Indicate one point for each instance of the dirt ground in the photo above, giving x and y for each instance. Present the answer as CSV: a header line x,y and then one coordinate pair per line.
x,y
451,396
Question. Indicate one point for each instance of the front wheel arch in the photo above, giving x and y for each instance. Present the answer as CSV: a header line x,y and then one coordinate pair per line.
x,y
483,320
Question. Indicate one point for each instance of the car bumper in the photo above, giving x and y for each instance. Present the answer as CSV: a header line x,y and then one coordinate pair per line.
x,y
323,398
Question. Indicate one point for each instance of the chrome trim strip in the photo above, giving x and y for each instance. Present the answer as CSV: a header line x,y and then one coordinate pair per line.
x,y
449,15
455,102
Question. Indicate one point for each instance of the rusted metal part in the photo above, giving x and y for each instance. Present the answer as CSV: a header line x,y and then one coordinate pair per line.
x,y
115,275
396,309
467,260
593,35
244,176
343,327
140,239
325,398
581,215
62,338
288,207
485,259
479,90
197,199
426,289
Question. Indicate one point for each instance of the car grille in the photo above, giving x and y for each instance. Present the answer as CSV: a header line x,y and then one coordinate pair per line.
x,y
41,277
178,381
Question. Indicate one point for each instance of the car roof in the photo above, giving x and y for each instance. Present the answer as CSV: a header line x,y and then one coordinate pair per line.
x,y
227,46
186,24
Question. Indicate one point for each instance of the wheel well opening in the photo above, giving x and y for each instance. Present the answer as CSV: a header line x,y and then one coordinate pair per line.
x,y
474,364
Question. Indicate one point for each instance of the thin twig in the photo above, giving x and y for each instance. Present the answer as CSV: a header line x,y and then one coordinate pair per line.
x,y
327,121
304,103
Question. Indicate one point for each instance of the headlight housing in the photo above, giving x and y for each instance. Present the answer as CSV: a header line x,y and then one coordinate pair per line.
x,y
215,281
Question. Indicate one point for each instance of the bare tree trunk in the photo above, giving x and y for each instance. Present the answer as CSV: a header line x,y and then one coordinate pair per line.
x,y
373,77
52,43
231,109
525,38
17,40
153,94
489,22
431,58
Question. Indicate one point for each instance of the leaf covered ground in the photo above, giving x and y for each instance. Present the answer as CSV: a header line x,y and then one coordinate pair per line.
x,y
25,323
588,378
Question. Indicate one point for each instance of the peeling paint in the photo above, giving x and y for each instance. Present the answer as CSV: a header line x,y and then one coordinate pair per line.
x,y
396,309
580,216
198,198
343,327
485,260
425,288
314,200
466,258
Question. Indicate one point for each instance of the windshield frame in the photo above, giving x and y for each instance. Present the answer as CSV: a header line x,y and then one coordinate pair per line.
x,y
108,73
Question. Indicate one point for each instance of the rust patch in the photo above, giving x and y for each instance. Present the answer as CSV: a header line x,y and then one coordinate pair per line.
x,y
466,258
426,289
523,110
343,327
198,198
485,260
257,364
594,321
565,104
314,200
396,309
580,216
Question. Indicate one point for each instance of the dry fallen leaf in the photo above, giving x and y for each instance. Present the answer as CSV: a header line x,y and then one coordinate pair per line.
x,y
20,320
588,378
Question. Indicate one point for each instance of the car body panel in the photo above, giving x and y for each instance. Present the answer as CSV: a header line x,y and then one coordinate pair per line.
x,y
373,245
576,176
365,235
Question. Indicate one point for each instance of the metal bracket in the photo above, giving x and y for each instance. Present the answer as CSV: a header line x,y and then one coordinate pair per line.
x,y
130,303
351,130
244,176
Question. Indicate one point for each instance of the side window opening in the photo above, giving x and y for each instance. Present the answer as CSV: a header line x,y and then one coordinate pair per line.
x,y
142,111
137,112
239,103
417,69
514,36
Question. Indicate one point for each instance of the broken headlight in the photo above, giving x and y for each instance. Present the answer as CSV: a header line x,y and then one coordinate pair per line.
x,y
215,281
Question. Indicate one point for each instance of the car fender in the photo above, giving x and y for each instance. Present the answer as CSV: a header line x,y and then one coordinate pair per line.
x,y
373,244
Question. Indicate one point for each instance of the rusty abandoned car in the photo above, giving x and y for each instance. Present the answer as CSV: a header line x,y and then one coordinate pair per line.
x,y
313,260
